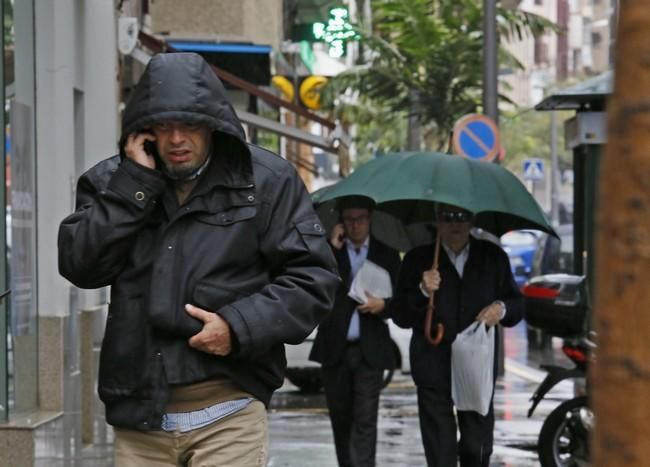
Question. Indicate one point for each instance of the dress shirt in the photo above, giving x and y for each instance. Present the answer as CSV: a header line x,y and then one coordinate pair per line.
x,y
458,260
357,256
188,421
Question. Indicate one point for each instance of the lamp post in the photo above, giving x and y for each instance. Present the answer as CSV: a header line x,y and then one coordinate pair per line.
x,y
491,99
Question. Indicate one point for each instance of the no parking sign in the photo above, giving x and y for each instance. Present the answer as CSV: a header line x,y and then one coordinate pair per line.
x,y
476,137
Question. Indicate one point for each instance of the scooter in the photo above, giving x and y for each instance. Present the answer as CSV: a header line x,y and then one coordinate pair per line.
x,y
564,437
559,306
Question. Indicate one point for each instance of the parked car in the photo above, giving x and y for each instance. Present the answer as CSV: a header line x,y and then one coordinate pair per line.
x,y
554,255
521,245
305,374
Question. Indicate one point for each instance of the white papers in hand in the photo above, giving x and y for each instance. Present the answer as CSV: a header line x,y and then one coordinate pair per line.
x,y
371,278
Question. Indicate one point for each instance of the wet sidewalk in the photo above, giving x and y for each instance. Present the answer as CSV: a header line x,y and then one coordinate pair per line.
x,y
301,434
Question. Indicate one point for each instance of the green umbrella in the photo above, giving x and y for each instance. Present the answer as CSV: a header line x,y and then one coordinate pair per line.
x,y
384,227
407,185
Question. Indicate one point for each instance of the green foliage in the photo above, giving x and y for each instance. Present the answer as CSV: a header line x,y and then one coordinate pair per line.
x,y
379,130
528,135
8,22
425,60
268,139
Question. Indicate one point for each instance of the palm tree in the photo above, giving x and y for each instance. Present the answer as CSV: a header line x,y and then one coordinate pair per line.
x,y
423,59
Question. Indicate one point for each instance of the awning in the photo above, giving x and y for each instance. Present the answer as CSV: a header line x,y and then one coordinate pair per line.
x,y
221,47
590,94
251,62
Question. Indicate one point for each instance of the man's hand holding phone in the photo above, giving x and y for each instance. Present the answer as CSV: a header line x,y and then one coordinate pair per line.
x,y
337,236
135,149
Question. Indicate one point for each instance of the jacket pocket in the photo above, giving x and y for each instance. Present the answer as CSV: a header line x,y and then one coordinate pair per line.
x,y
230,216
125,365
179,323
228,236
312,233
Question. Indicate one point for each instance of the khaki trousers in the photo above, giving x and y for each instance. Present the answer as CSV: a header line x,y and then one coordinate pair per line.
x,y
238,440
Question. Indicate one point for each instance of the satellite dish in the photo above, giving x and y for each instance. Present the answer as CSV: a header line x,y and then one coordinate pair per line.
x,y
127,34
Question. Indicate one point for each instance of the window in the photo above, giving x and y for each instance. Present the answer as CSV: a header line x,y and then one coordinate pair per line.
x,y
541,51
596,39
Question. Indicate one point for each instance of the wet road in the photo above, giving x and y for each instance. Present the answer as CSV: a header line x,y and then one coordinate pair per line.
x,y
300,432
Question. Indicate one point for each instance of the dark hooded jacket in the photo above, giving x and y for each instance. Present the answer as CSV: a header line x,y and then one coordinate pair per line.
x,y
245,244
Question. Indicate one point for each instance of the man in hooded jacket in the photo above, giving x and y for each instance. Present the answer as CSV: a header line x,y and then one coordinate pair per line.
x,y
215,259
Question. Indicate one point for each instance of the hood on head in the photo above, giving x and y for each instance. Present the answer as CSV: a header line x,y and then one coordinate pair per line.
x,y
181,87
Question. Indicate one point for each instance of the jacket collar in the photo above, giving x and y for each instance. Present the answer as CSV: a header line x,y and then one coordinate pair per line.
x,y
232,171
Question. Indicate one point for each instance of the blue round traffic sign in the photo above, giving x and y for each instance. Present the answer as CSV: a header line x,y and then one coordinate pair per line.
x,y
476,137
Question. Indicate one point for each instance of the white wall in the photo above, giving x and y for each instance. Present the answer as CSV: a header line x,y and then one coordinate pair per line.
x,y
75,63
251,20
101,84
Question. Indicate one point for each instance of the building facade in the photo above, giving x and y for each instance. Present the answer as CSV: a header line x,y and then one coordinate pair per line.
x,y
60,88
64,87
581,48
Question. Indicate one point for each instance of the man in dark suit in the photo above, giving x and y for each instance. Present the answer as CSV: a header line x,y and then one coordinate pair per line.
x,y
353,343
473,282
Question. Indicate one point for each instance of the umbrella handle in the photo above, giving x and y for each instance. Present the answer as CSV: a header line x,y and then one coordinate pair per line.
x,y
440,329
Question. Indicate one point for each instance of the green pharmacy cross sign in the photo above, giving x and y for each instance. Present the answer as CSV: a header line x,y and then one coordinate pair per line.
x,y
336,32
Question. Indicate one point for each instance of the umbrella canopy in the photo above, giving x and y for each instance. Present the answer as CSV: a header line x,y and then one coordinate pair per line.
x,y
408,185
384,227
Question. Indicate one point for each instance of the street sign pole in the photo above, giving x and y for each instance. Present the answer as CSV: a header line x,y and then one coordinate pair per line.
x,y
490,64
555,208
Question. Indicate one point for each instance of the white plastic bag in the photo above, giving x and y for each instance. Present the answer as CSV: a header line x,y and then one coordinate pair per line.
x,y
472,368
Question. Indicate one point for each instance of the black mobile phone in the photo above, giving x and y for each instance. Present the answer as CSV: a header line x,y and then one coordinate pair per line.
x,y
150,148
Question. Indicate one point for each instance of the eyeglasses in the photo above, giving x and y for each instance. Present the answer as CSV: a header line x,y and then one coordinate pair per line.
x,y
454,216
362,219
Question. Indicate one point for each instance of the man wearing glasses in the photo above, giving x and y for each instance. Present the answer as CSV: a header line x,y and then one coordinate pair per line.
x,y
353,343
473,282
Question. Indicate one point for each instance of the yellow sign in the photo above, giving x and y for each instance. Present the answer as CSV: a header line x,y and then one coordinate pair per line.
x,y
310,91
285,86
